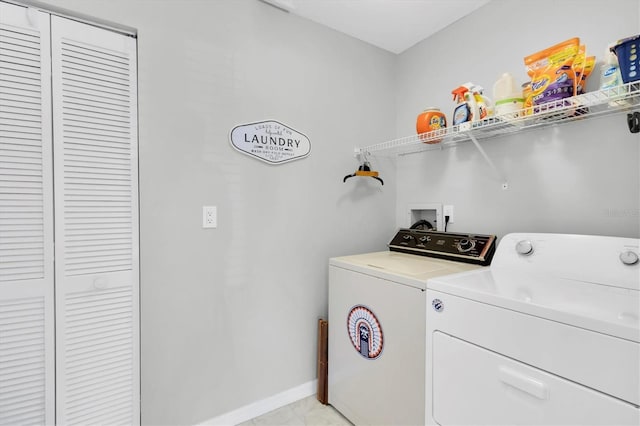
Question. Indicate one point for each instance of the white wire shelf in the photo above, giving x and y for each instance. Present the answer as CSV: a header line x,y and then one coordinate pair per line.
x,y
581,107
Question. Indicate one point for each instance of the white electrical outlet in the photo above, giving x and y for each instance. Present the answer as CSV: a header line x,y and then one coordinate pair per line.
x,y
209,217
447,210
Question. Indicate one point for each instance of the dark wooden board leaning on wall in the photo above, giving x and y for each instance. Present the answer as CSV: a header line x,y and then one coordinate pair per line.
x,y
323,354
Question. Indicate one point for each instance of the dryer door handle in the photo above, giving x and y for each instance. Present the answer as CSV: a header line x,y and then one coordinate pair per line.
x,y
523,382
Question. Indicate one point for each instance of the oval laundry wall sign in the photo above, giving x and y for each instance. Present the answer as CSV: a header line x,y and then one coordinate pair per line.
x,y
270,141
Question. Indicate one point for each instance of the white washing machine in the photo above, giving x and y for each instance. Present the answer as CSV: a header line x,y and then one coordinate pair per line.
x,y
548,335
377,311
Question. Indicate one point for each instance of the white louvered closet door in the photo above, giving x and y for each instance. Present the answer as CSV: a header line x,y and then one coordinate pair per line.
x,y
26,220
96,226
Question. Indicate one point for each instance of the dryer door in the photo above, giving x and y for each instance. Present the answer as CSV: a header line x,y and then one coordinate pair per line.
x,y
472,385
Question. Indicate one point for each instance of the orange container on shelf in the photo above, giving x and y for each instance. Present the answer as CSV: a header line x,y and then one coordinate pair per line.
x,y
527,95
429,120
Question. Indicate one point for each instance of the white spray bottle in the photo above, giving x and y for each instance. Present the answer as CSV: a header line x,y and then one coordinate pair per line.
x,y
483,104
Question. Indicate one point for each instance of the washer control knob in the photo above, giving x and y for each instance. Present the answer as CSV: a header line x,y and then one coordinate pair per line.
x,y
424,238
629,257
524,247
465,244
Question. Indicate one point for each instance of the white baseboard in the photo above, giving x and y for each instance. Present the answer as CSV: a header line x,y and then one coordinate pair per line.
x,y
263,406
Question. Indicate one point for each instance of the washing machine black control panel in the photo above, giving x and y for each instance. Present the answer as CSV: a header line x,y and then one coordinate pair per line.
x,y
469,248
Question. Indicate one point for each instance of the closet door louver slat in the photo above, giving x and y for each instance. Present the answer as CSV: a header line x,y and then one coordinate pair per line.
x,y
95,154
22,361
26,225
21,156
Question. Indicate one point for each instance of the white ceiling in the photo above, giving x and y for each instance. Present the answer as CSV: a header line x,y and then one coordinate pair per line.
x,y
393,25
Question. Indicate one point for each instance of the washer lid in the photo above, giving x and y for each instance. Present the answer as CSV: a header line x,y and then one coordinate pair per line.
x,y
607,309
403,268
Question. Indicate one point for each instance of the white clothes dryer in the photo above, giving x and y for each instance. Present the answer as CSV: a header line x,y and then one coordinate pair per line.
x,y
548,335
377,312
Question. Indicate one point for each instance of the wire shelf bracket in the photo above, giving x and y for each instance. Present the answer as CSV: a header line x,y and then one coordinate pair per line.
x,y
503,179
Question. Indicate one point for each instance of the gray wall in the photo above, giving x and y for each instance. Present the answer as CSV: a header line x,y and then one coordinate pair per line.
x,y
575,178
229,315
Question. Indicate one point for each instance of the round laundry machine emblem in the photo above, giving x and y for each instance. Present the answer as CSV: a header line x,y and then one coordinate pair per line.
x,y
437,304
365,332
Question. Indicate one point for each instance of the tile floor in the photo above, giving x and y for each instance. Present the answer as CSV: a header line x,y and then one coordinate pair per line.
x,y
306,412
